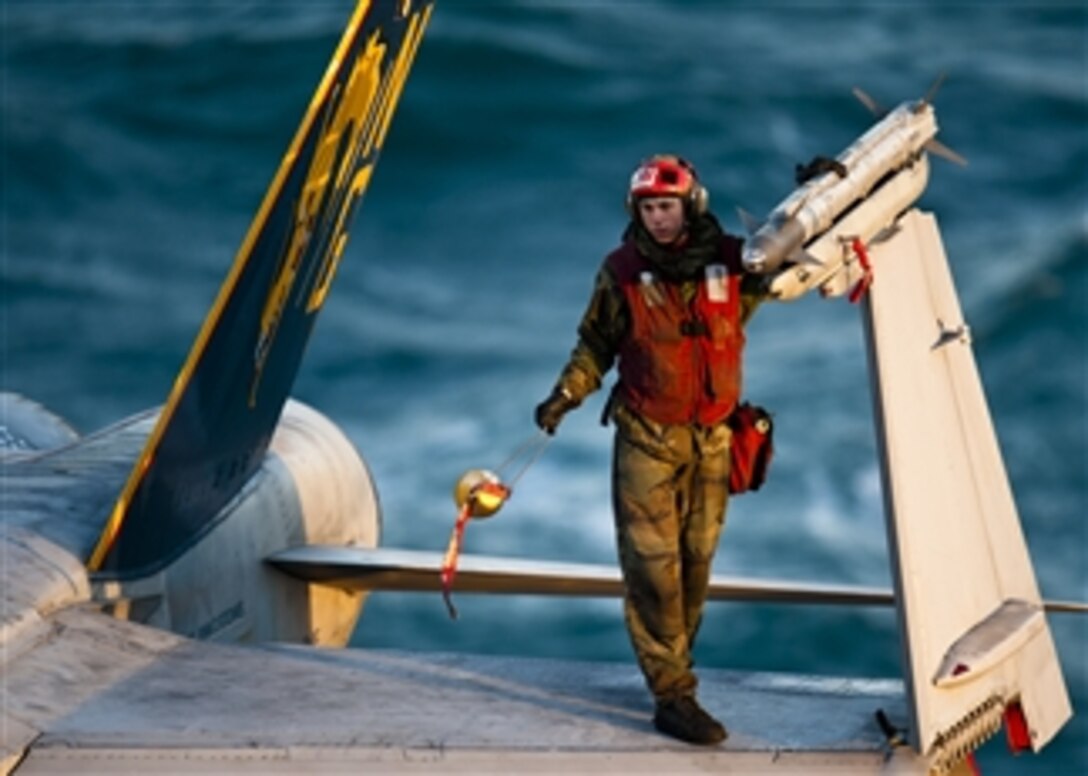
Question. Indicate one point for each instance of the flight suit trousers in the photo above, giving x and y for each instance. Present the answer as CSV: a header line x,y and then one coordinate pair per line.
x,y
669,495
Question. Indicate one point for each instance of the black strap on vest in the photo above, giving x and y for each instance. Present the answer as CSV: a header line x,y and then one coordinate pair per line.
x,y
693,327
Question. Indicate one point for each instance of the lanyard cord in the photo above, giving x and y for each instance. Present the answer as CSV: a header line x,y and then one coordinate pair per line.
x,y
532,448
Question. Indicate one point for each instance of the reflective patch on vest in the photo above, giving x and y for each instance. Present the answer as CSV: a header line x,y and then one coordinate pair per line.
x,y
651,294
717,283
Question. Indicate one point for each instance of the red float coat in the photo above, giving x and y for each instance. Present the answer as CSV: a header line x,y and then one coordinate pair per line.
x,y
681,360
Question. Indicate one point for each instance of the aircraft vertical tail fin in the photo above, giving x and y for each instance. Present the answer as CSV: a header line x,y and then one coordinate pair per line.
x,y
978,650
219,417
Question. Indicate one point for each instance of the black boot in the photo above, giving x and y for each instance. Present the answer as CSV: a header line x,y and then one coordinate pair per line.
x,y
685,719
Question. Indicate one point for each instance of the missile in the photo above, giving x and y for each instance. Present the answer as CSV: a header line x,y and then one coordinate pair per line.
x,y
807,238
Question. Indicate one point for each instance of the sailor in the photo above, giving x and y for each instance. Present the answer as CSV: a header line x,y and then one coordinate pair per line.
x,y
669,304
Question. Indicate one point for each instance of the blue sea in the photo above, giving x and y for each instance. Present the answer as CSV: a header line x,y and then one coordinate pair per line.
x,y
138,139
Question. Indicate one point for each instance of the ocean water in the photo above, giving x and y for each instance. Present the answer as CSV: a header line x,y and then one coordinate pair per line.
x,y
138,140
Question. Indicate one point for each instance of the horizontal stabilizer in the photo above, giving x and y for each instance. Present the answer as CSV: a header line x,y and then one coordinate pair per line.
x,y
360,568
384,569
411,570
988,643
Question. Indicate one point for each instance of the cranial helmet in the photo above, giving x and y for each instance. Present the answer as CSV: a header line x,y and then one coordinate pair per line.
x,y
667,175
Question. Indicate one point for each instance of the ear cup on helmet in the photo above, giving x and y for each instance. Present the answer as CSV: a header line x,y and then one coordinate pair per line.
x,y
699,200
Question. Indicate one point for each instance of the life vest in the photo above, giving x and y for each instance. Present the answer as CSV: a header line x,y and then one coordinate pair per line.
x,y
681,362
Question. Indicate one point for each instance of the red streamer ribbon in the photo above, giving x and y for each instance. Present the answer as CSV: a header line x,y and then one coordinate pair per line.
x,y
859,289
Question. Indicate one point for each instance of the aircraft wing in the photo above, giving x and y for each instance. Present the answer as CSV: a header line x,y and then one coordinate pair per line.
x,y
977,646
84,691
103,694
62,493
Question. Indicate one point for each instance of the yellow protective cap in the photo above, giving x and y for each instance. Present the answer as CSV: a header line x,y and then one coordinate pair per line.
x,y
483,489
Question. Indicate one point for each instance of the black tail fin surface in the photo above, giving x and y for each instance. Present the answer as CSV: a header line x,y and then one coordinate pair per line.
x,y
215,427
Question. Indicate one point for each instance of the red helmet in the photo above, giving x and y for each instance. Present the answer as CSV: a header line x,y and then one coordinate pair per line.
x,y
666,175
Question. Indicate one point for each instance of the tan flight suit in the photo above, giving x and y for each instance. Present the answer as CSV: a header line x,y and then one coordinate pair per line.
x,y
669,495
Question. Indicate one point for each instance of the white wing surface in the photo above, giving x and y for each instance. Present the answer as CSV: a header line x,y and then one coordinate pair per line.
x,y
977,644
84,692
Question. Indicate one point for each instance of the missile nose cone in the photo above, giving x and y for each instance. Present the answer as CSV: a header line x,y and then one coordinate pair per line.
x,y
754,259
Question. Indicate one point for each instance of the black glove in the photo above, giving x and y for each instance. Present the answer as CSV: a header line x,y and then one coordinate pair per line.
x,y
550,411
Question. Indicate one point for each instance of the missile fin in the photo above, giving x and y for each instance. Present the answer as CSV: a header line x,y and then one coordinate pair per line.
x,y
937,148
874,107
750,222
932,93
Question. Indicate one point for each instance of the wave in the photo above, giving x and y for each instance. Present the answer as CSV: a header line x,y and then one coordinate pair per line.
x,y
1045,292
36,25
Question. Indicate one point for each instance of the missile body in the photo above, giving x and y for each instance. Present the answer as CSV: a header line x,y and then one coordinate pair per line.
x,y
829,262
886,171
